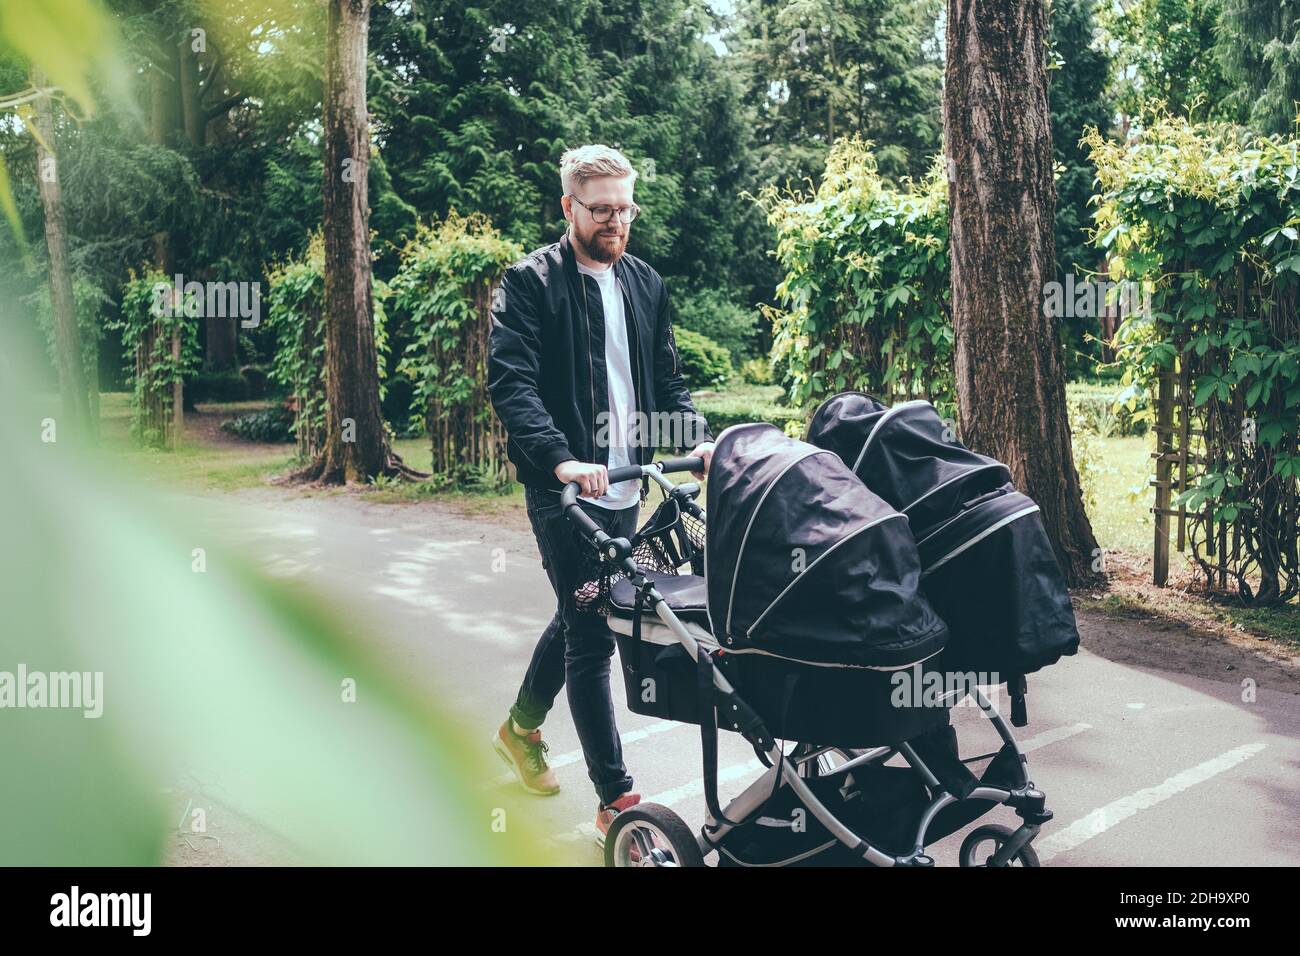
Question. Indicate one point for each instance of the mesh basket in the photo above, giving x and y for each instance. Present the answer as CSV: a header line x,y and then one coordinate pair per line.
x,y
668,541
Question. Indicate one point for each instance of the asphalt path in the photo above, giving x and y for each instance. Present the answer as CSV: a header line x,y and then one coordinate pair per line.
x,y
1141,766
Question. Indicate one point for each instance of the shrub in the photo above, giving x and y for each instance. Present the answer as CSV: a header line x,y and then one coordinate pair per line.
x,y
1107,410
705,363
748,404
715,313
149,319
271,425
296,317
443,292
757,371
229,386
864,299
1205,221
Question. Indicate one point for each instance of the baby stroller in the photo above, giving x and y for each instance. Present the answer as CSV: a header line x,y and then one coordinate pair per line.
x,y
809,625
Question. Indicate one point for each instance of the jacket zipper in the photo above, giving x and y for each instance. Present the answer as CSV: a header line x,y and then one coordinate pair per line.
x,y
591,368
627,300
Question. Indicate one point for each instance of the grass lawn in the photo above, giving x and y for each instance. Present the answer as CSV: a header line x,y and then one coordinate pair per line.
x,y
1124,526
1121,498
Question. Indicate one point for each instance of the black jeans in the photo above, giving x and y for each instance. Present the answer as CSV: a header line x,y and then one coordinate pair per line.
x,y
575,649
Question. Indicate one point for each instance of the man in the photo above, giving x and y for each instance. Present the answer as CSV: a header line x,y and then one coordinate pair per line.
x,y
582,356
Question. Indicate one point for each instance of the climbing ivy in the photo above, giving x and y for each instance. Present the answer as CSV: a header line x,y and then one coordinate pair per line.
x,y
442,294
149,320
1206,220
296,318
864,299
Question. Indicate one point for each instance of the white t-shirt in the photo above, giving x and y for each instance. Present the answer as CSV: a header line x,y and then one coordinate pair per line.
x,y
622,393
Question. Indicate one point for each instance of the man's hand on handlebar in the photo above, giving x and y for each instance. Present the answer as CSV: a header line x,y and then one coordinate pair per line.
x,y
592,478
704,451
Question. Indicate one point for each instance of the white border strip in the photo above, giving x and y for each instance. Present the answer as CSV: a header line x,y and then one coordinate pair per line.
x,y
740,553
884,418
1117,811
978,538
799,577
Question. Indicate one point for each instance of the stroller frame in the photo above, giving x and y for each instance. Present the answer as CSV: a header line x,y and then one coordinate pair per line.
x,y
806,760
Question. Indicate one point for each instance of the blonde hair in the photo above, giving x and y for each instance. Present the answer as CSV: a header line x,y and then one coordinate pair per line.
x,y
582,163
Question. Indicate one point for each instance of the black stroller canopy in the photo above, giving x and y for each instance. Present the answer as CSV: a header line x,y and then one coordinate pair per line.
x,y
989,567
906,454
804,562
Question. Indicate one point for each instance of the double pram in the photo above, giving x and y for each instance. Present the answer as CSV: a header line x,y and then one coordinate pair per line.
x,y
849,591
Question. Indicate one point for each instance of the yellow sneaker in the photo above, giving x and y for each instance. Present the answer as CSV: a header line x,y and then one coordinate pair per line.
x,y
526,756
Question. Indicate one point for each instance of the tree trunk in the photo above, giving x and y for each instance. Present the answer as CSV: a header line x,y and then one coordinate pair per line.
x,y
221,342
1009,362
192,115
67,335
356,446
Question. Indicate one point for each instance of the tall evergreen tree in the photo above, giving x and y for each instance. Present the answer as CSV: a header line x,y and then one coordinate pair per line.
x,y
1163,53
474,107
1259,49
1078,97
821,69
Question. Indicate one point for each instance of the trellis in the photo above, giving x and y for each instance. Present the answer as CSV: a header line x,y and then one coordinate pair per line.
x,y
1252,546
467,438
161,342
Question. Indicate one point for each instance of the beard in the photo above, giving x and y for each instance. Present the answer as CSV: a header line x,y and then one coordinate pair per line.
x,y
601,246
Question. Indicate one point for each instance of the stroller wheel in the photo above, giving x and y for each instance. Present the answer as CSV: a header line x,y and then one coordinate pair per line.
x,y
650,835
983,843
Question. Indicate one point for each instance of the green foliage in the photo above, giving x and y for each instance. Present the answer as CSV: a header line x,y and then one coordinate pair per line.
x,y
1207,220
1164,56
477,102
1107,410
148,321
272,425
705,363
820,70
741,403
90,303
715,313
296,320
434,293
756,371
865,292
442,293
1259,51
1079,99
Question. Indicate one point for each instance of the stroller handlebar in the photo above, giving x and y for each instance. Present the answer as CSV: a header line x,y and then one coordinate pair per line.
x,y
569,497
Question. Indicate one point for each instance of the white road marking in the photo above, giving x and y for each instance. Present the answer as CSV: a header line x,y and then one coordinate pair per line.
x,y
1117,811
1052,736
695,788
587,831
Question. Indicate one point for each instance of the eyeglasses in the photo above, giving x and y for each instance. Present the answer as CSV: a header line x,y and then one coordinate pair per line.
x,y
601,213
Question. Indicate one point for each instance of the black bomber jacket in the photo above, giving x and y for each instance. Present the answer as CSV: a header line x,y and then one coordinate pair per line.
x,y
546,361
